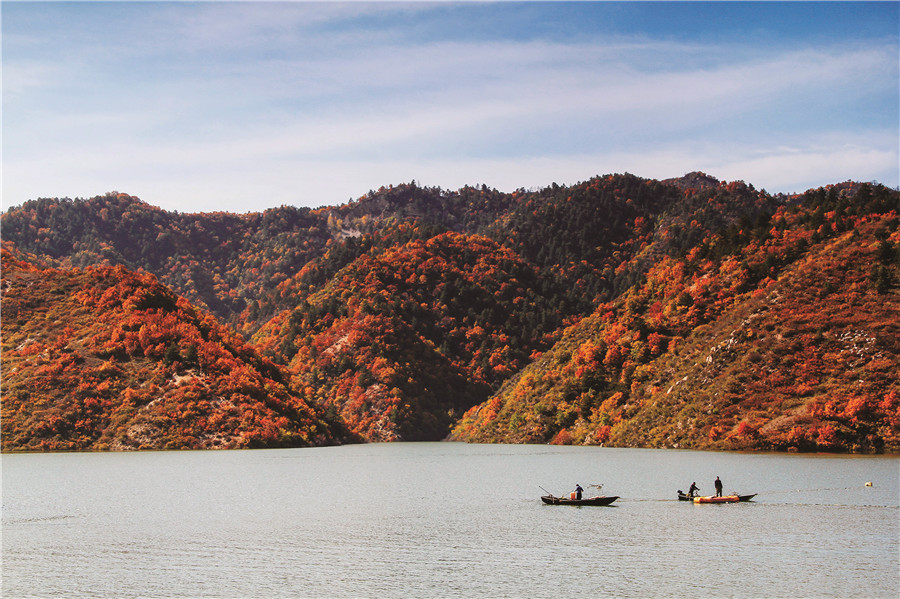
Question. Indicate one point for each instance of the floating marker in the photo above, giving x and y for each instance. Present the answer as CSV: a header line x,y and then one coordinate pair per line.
x,y
869,484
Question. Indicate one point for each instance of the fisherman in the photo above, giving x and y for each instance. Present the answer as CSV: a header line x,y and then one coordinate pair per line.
x,y
718,485
694,488
578,491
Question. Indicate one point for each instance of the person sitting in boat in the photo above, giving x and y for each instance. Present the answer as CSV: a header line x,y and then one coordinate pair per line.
x,y
718,485
693,490
578,491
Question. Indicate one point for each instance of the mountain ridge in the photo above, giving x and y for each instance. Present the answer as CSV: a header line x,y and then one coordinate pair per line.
x,y
396,314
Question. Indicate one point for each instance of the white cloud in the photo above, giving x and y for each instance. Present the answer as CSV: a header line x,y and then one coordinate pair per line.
x,y
301,114
248,185
801,168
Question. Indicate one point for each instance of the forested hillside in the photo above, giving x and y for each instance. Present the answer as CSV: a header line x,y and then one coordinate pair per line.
x,y
781,336
219,261
104,358
625,311
404,339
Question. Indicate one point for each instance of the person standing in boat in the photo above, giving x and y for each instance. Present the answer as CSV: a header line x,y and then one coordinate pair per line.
x,y
718,485
578,491
694,488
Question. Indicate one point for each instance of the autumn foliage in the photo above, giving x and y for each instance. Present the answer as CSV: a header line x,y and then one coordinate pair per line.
x,y
619,311
404,339
781,336
104,358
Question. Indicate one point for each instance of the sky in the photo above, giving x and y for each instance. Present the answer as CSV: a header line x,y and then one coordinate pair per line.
x,y
243,106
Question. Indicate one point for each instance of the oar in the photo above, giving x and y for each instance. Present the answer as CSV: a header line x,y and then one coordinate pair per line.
x,y
547,492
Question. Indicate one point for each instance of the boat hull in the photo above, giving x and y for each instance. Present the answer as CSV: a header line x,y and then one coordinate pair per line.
x,y
551,500
714,499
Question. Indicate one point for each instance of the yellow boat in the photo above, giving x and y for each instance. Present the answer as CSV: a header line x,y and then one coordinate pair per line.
x,y
714,499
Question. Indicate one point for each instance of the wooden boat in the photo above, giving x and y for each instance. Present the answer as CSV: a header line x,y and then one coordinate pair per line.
x,y
600,500
714,499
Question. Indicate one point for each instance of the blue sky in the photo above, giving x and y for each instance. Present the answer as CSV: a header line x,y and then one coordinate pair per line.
x,y
242,106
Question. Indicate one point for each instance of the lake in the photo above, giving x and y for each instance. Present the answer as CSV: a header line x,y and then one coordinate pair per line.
x,y
446,520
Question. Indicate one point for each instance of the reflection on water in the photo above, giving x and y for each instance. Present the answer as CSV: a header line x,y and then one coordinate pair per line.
x,y
448,520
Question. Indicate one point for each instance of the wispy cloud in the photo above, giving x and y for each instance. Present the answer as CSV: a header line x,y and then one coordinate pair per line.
x,y
221,104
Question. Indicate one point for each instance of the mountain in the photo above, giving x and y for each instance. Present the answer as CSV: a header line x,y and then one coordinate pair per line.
x,y
105,358
404,339
785,338
693,181
613,311
232,265
221,262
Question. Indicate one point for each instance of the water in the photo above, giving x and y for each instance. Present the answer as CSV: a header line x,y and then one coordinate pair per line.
x,y
445,520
